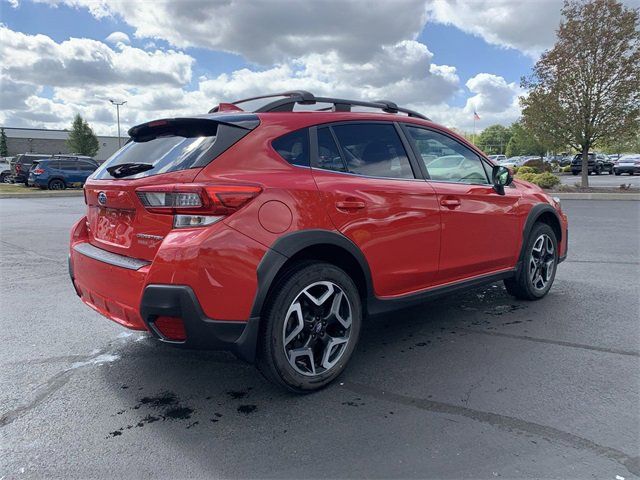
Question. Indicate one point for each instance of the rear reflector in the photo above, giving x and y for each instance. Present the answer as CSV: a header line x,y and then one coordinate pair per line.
x,y
172,328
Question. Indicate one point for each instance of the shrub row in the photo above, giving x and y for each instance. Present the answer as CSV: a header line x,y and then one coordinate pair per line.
x,y
543,180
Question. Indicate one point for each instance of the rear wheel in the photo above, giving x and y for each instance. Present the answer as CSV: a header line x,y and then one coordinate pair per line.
x,y
598,170
56,184
310,327
535,277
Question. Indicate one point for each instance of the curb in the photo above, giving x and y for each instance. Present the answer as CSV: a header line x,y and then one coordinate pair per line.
x,y
78,193
594,196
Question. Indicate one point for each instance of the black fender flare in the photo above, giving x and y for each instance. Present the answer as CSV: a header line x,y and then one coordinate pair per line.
x,y
534,214
288,245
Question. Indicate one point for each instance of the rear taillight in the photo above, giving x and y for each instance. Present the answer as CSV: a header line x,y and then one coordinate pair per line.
x,y
195,205
18,168
38,171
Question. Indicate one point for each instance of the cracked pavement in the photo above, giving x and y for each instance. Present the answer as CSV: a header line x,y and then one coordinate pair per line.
x,y
476,385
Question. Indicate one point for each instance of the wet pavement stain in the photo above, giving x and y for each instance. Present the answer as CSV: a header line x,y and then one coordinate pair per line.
x,y
162,400
166,404
356,402
238,394
247,409
502,309
178,413
512,323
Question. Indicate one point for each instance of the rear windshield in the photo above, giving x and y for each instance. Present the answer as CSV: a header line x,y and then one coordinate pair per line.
x,y
173,147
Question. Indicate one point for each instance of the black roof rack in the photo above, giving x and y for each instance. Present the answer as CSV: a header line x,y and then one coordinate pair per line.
x,y
306,98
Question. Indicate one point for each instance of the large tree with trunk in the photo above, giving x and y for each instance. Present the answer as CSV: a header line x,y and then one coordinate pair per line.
x,y
585,91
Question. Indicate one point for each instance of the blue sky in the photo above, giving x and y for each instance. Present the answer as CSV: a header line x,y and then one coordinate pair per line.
x,y
437,56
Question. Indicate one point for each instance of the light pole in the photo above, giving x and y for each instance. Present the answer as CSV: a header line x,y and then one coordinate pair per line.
x,y
118,105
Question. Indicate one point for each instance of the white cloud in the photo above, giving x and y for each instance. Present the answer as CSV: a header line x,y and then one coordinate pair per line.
x,y
118,37
269,31
525,25
352,49
78,61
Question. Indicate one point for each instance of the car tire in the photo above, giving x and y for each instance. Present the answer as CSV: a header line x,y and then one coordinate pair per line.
x,y
574,173
303,344
617,173
5,178
539,264
56,184
598,171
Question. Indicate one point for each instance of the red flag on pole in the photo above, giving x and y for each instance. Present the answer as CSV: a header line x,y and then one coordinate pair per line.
x,y
475,115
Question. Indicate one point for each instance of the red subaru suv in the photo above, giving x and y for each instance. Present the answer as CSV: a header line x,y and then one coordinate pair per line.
x,y
273,232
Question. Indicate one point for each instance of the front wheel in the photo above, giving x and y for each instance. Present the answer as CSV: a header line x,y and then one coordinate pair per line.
x,y
310,328
538,270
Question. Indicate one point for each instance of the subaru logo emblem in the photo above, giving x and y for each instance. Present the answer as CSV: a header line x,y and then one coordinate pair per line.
x,y
102,198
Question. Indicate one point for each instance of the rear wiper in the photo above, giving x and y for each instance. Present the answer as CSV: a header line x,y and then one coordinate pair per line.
x,y
126,169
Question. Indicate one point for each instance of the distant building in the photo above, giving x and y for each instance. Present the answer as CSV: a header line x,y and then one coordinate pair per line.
x,y
39,140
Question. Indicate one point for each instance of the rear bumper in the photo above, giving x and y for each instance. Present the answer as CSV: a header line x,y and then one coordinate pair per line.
x,y
626,169
135,293
201,332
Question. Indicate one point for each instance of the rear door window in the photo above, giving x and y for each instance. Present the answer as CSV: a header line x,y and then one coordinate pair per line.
x,y
329,157
374,150
68,164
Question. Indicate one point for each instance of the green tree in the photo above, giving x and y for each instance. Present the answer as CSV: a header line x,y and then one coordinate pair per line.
x,y
523,142
81,139
4,151
585,91
494,139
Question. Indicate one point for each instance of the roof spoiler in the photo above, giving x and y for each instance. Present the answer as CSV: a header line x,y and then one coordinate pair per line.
x,y
191,126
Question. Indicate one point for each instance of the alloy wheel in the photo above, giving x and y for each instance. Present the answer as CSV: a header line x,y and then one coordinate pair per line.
x,y
316,328
542,262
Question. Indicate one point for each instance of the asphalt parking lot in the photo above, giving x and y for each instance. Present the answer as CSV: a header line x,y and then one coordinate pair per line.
x,y
473,386
603,180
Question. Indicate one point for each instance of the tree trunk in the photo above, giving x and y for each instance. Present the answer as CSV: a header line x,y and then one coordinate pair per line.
x,y
585,166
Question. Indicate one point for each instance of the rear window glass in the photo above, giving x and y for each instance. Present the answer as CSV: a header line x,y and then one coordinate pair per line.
x,y
174,145
294,147
167,153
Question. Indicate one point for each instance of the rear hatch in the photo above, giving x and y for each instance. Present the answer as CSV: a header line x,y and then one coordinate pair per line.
x,y
577,160
162,156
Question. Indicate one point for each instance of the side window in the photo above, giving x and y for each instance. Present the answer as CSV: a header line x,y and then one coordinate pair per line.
x,y
68,164
294,147
86,166
373,149
328,154
446,159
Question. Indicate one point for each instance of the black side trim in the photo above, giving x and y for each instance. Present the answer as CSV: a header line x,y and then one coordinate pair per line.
x,y
202,332
288,245
377,306
566,248
533,216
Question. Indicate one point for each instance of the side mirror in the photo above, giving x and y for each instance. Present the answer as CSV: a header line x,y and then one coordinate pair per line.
x,y
501,178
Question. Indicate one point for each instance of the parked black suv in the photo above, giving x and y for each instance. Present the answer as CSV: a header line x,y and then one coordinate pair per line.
x,y
598,163
22,164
